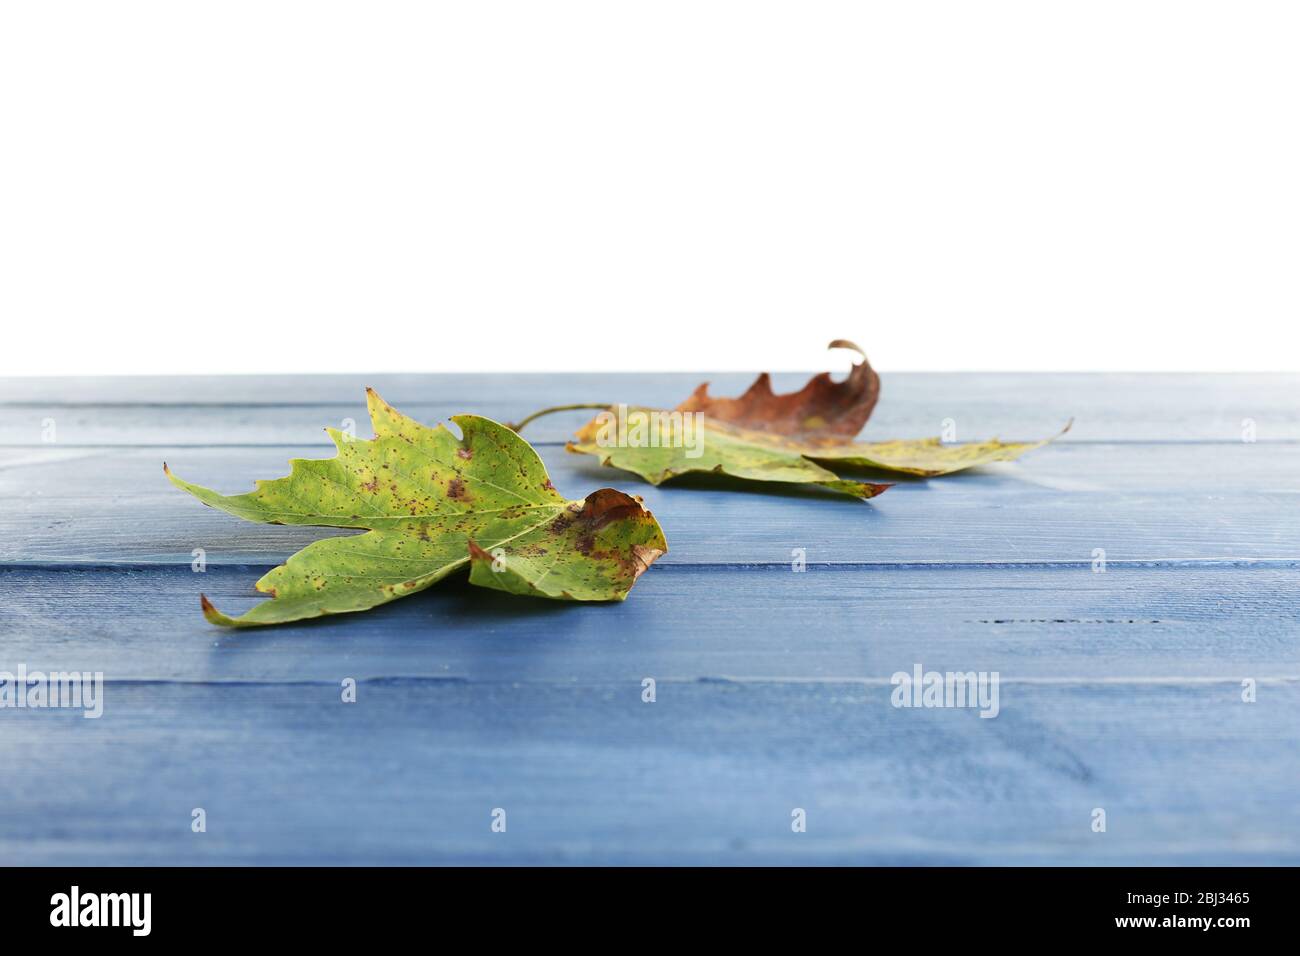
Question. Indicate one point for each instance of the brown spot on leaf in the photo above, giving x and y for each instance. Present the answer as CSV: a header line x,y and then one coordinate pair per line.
x,y
606,505
465,453
642,558
456,489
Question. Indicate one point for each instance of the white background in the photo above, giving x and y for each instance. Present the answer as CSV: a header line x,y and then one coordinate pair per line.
x,y
285,186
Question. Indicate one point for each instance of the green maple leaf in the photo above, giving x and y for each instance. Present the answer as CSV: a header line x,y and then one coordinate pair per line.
x,y
434,504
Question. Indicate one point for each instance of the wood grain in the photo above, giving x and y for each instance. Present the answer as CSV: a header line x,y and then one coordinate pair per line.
x,y
709,773
1060,503
293,409
827,623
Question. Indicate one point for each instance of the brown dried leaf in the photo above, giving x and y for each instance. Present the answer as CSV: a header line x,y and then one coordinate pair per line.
x,y
821,409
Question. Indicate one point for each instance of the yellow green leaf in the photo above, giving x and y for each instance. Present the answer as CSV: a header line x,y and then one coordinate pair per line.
x,y
435,504
924,457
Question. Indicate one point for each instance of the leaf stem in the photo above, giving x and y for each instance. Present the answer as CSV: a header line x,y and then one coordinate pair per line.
x,y
518,426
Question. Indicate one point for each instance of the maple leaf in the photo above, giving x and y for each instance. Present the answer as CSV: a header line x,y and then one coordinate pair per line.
x,y
434,504
763,436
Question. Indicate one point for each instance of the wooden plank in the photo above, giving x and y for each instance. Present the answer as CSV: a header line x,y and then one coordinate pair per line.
x,y
1148,502
1095,468
293,409
709,773
1044,623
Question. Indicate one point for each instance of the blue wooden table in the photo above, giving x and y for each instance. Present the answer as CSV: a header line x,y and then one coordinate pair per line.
x,y
1121,684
